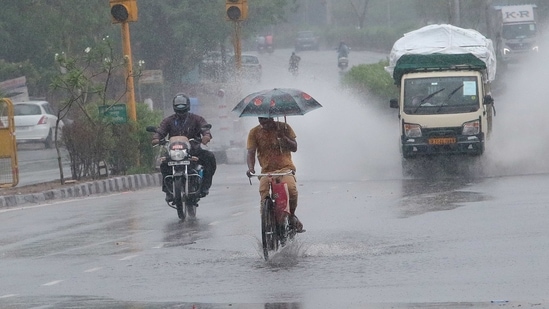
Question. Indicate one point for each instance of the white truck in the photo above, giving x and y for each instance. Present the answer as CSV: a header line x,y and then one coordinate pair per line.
x,y
445,107
514,31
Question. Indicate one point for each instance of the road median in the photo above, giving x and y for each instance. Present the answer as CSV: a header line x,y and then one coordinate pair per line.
x,y
97,187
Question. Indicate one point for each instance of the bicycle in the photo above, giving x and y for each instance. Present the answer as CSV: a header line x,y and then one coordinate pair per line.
x,y
276,229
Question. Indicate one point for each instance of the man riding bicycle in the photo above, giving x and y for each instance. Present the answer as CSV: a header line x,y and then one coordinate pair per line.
x,y
274,142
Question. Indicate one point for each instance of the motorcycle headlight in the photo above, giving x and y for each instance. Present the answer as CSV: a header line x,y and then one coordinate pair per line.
x,y
178,154
471,128
412,130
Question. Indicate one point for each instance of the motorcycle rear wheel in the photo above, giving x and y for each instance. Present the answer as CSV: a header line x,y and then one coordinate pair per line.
x,y
269,235
177,197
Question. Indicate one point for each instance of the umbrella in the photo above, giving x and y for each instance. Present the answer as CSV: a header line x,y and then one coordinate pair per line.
x,y
276,102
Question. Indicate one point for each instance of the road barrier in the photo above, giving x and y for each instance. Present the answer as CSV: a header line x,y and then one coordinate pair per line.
x,y
9,173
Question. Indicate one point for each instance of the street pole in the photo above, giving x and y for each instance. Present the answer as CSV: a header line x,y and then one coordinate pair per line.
x,y
237,46
130,90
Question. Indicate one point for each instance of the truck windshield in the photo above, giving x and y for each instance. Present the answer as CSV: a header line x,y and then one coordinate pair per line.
x,y
518,31
441,95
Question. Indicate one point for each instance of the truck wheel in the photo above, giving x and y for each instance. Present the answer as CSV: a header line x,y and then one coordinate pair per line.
x,y
407,167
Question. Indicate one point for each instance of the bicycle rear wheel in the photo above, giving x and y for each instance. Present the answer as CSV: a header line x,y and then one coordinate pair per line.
x,y
269,236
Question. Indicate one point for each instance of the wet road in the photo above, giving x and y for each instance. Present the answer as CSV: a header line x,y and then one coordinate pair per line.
x,y
396,241
457,234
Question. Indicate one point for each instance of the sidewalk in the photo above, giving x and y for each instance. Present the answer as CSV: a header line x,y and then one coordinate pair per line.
x,y
115,184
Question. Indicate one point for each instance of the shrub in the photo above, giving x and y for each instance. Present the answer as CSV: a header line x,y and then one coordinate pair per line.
x,y
371,79
125,147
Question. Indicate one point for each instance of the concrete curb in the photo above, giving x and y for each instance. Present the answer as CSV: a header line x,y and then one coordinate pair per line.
x,y
97,187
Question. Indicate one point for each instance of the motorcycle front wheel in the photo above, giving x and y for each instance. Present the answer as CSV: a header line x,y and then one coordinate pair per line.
x,y
178,198
191,209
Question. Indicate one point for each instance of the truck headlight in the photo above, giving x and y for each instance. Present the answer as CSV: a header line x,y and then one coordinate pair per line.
x,y
471,128
412,130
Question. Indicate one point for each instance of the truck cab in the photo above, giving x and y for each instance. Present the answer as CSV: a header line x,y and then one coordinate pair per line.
x,y
444,75
516,32
446,112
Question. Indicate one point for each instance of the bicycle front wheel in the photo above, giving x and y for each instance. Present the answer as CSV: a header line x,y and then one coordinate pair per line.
x,y
269,237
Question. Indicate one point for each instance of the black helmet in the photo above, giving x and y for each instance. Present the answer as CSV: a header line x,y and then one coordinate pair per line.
x,y
181,103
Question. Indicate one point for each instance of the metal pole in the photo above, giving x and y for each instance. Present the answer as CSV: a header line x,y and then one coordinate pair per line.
x,y
237,46
130,91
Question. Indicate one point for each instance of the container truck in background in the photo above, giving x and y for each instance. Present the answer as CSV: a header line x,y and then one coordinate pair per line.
x,y
514,31
445,106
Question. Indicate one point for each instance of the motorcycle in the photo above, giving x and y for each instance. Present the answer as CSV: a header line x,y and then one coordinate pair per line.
x,y
342,62
262,48
294,68
185,181
343,57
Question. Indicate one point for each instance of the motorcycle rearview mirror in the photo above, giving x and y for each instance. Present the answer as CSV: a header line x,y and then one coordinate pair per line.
x,y
150,129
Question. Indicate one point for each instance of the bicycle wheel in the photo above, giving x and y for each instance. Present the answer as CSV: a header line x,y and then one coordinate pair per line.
x,y
177,197
269,236
284,230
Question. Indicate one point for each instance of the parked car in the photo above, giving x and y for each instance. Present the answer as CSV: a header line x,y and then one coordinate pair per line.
x,y
306,40
211,66
35,122
250,67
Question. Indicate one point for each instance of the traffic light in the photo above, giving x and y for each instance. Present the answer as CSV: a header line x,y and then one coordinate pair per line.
x,y
236,9
123,11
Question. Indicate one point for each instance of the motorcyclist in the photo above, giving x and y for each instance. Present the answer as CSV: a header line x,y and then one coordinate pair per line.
x,y
294,61
342,50
184,123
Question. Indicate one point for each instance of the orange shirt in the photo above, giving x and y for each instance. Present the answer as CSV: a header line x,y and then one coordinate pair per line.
x,y
271,154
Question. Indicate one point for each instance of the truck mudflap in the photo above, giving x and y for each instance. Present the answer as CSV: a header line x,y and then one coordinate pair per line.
x,y
472,145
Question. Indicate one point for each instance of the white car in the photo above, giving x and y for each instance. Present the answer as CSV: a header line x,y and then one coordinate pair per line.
x,y
35,122
250,67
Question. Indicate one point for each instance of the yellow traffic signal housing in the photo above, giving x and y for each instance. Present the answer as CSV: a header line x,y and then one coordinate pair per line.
x,y
236,9
123,11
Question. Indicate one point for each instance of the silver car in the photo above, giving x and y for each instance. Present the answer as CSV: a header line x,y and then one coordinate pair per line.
x,y
250,67
35,122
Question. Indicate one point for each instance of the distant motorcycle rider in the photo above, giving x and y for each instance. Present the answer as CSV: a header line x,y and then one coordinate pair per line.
x,y
342,50
184,123
294,61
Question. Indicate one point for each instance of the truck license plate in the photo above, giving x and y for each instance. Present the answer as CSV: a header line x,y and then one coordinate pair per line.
x,y
442,140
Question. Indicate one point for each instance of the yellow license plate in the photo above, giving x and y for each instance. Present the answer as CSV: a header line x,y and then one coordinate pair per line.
x,y
442,141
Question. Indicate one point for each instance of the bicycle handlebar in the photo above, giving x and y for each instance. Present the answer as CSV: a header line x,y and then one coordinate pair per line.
x,y
270,175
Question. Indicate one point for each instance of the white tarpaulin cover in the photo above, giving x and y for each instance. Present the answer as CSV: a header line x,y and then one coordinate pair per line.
x,y
444,39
